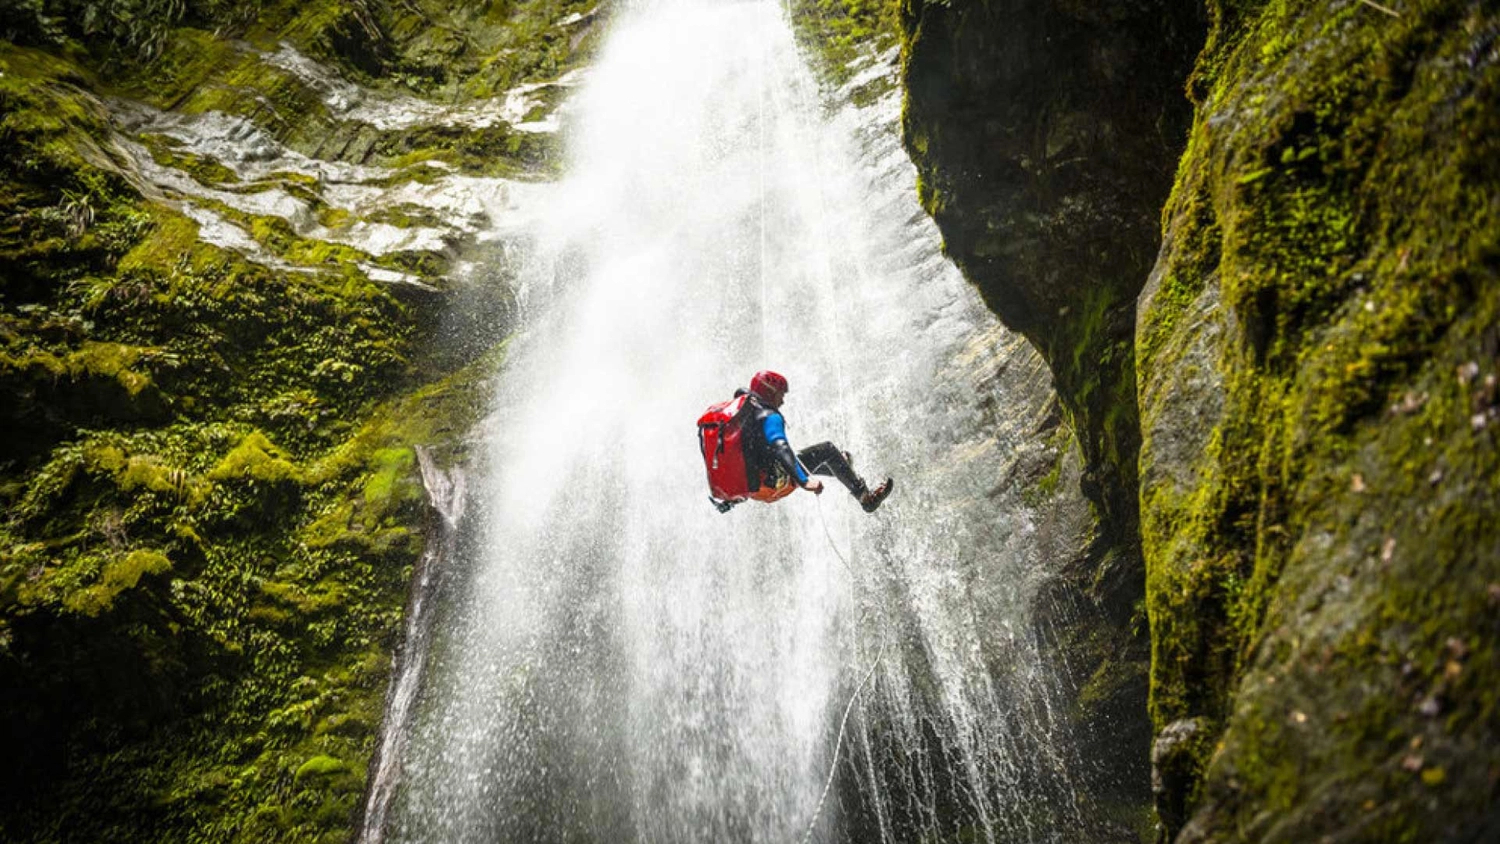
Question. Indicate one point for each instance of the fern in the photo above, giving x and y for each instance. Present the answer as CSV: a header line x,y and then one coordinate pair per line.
x,y
137,28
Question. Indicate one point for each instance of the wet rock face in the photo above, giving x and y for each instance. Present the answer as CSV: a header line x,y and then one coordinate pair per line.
x,y
1317,354
1317,371
253,259
1045,135
1173,759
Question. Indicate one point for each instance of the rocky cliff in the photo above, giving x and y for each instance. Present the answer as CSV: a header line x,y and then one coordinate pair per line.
x,y
1045,135
1317,347
231,238
1313,357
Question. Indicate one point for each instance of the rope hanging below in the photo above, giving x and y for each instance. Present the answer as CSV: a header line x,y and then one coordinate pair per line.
x,y
838,744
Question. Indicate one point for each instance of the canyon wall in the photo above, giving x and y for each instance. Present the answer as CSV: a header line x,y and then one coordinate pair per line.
x,y
1307,367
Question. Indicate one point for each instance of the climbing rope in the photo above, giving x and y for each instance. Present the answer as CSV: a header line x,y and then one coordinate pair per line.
x,y
829,536
838,744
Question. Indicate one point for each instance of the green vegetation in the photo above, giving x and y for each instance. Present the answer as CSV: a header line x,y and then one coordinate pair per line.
x,y
194,603
1315,366
209,478
837,32
192,608
1322,582
472,47
132,28
189,55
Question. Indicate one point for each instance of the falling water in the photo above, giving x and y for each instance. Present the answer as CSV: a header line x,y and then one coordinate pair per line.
x,y
619,662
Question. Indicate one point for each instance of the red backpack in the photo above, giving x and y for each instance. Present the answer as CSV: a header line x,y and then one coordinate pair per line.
x,y
720,438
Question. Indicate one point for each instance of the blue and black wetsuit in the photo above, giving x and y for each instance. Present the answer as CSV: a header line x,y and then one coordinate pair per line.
x,y
771,461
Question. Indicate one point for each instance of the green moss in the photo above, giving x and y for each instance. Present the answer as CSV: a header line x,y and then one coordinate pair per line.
x,y
205,171
405,216
277,235
187,58
185,425
335,218
117,576
319,766
256,458
491,151
837,32
291,601
1045,487
109,360
209,468
392,464
151,473
113,362
174,239
1309,569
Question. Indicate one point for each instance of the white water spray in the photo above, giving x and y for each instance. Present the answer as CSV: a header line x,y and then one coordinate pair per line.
x,y
625,664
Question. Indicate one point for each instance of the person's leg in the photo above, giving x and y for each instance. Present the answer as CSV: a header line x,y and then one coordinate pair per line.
x,y
826,459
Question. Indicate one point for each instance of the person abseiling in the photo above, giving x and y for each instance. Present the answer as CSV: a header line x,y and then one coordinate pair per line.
x,y
746,452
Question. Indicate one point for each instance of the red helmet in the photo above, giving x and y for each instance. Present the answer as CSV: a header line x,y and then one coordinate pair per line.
x,y
769,386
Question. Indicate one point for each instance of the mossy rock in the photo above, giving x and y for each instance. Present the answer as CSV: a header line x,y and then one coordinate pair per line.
x,y
1044,136
837,33
318,768
176,637
117,577
1317,370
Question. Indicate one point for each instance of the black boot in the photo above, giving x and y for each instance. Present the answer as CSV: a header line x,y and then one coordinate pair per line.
x,y
872,498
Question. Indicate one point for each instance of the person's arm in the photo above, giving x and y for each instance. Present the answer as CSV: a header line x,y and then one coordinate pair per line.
x,y
775,431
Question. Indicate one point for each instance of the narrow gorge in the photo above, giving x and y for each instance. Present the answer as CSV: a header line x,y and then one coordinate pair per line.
x,y
350,348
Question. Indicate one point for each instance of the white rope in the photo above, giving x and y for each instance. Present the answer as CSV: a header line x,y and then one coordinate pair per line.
x,y
829,536
838,744
760,157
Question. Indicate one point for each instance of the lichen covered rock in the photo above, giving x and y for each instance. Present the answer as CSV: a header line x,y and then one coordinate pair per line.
x,y
1317,355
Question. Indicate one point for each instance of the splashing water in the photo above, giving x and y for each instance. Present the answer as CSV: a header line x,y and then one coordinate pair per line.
x,y
621,662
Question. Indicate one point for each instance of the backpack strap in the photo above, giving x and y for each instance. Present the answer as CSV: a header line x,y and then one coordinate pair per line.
x,y
719,443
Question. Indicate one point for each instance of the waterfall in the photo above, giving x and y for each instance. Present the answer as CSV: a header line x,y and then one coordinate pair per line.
x,y
615,661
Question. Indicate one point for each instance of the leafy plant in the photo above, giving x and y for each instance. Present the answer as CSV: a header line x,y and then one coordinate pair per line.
x,y
137,27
